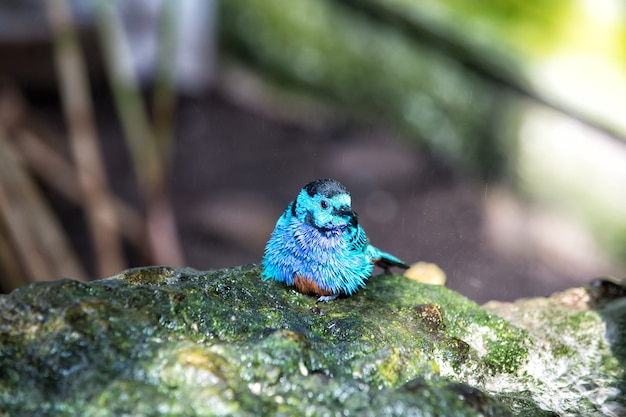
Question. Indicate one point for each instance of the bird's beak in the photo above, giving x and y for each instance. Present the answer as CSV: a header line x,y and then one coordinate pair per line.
x,y
344,211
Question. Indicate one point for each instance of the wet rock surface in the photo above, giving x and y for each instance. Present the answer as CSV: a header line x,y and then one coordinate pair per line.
x,y
164,341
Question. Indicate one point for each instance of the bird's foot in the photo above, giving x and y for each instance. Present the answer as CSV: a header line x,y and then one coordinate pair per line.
x,y
327,298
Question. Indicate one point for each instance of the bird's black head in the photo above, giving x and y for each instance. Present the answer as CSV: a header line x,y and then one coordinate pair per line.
x,y
325,204
326,187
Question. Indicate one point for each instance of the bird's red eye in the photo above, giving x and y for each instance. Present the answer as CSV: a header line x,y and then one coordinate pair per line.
x,y
324,204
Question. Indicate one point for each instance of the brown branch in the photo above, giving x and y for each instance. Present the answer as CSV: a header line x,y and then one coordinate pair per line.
x,y
90,168
43,248
149,160
54,170
164,99
10,268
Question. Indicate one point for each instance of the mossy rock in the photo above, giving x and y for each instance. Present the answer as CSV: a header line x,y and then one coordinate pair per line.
x,y
162,341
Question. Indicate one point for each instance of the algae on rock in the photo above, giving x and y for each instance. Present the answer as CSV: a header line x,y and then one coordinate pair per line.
x,y
163,341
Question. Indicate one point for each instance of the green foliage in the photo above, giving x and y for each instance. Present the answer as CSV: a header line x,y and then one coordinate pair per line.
x,y
373,70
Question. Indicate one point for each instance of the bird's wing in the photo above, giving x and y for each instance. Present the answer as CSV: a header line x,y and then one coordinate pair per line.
x,y
358,241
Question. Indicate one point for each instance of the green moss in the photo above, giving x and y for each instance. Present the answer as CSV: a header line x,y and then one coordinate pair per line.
x,y
147,275
505,357
561,350
226,342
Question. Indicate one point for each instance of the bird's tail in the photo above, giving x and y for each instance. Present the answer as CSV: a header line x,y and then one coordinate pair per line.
x,y
386,260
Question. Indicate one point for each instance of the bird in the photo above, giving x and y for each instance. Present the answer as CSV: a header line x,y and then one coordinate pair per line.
x,y
319,247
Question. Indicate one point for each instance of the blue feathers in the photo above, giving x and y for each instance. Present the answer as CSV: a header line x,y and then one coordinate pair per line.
x,y
319,247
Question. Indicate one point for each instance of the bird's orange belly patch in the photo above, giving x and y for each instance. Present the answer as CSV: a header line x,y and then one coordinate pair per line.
x,y
307,286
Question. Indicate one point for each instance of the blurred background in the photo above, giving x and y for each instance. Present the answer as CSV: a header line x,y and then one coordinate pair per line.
x,y
486,137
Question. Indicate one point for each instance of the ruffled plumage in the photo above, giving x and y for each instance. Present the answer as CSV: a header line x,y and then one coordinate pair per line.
x,y
336,256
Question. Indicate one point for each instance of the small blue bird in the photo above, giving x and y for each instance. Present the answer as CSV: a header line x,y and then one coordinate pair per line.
x,y
319,247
